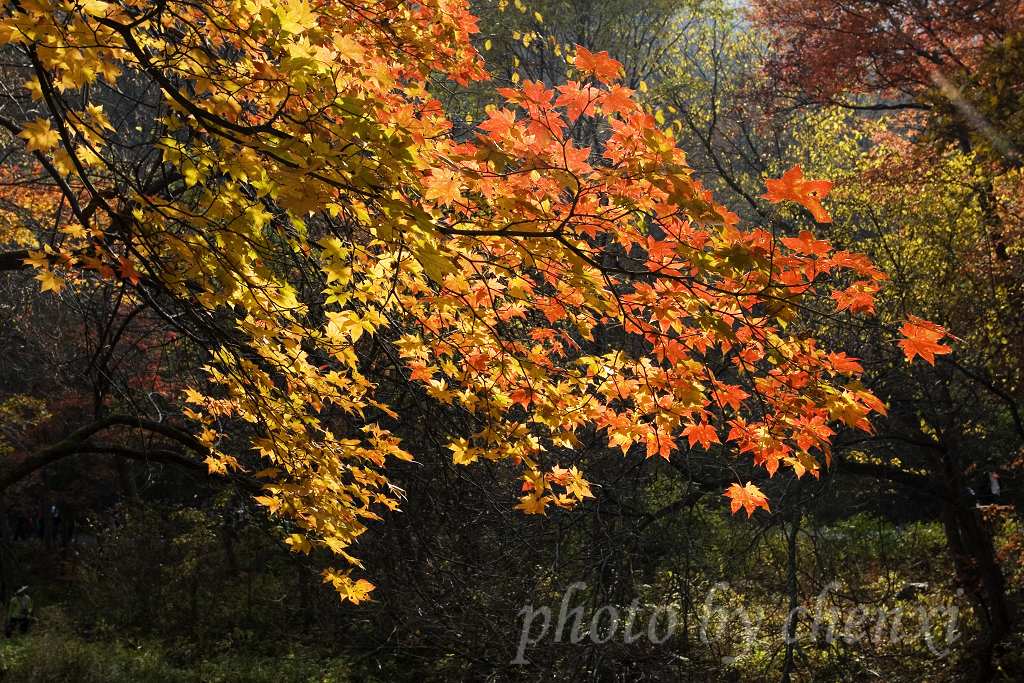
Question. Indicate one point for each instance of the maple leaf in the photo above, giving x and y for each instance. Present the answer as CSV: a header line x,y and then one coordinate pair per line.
x,y
731,396
523,396
443,185
921,338
534,505
844,364
577,485
770,460
438,389
748,497
128,271
299,544
792,186
622,439
296,16
575,99
806,243
660,444
39,136
618,100
600,64
37,259
701,432
421,371
360,590
499,122
462,454
858,297
558,475
535,92
51,282
349,48
354,591
576,158
194,397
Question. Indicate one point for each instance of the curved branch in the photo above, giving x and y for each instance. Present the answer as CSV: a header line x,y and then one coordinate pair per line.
x,y
910,480
79,442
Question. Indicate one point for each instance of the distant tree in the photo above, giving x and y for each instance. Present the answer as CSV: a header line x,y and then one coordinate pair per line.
x,y
917,106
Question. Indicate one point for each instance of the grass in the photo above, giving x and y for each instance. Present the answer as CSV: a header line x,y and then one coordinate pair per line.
x,y
54,654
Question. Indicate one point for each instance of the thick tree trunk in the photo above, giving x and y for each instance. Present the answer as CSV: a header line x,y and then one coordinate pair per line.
x,y
978,570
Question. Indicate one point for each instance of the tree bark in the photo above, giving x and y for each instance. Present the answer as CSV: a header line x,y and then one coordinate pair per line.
x,y
978,571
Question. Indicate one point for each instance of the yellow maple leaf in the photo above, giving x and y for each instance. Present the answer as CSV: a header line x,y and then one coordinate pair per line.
x,y
37,259
296,17
299,543
38,135
462,454
349,49
533,505
51,281
34,88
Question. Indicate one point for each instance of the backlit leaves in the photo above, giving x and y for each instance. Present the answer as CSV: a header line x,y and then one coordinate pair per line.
x,y
921,338
598,64
39,136
792,186
313,203
748,497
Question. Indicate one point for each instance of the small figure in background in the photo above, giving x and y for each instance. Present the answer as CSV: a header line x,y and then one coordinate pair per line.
x,y
19,613
993,484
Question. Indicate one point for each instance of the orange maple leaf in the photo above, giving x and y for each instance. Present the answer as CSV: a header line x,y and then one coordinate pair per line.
x,y
792,186
921,338
858,297
535,92
442,185
600,64
703,432
659,444
499,122
748,497
806,242
844,364
523,396
618,100
575,99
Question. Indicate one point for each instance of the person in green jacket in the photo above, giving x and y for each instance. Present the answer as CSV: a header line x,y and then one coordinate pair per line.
x,y
19,613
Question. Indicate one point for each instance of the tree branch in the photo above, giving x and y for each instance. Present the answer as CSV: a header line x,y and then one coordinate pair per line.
x,y
79,442
13,260
917,482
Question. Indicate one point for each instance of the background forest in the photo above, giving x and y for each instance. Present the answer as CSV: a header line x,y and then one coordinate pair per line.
x,y
905,553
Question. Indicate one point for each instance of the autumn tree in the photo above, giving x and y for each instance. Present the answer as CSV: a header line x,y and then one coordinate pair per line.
x,y
276,183
897,50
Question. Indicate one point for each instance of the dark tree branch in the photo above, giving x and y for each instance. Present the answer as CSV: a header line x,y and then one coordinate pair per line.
x,y
13,260
918,482
79,442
